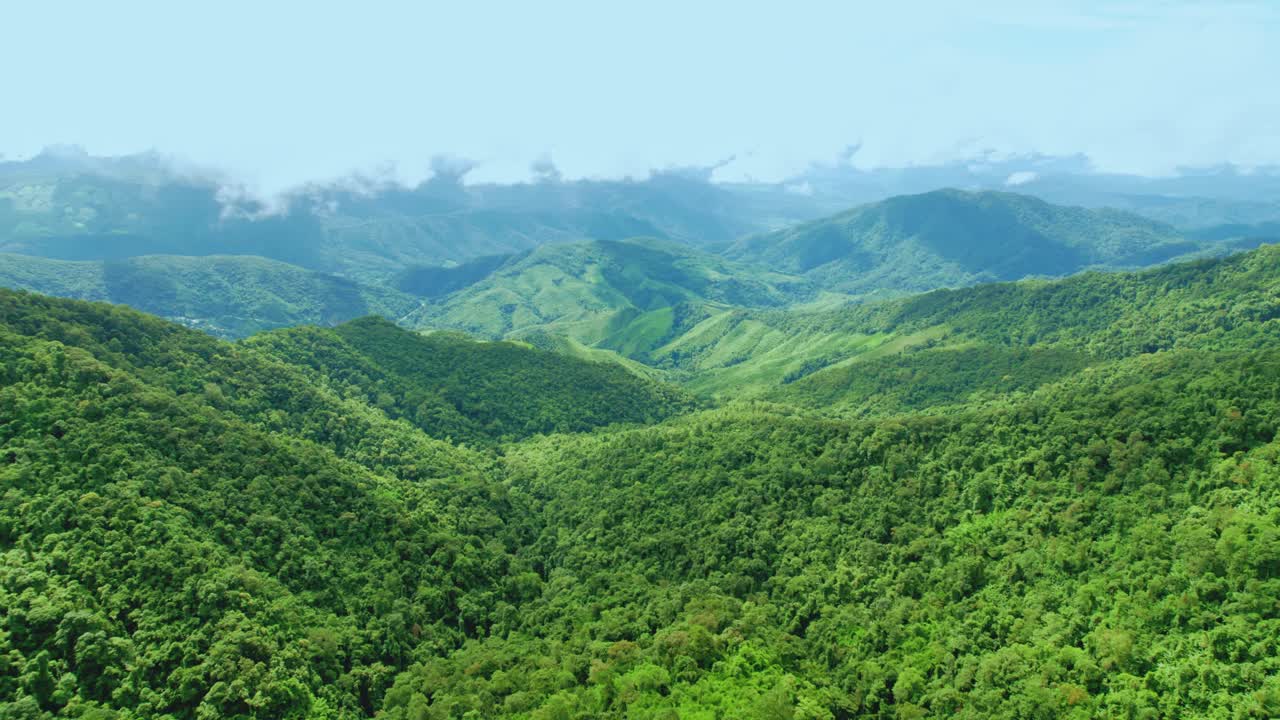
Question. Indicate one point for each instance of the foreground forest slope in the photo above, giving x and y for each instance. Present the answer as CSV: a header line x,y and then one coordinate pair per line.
x,y
190,532
192,528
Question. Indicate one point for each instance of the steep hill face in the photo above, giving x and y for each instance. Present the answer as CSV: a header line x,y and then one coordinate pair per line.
x,y
226,295
950,238
596,291
181,515
452,386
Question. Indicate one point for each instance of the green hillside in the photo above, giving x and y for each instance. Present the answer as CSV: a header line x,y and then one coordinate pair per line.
x,y
228,296
433,281
188,530
1108,548
950,238
617,294
1023,500
452,386
1011,337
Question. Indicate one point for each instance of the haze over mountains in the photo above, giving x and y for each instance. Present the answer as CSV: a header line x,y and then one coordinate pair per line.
x,y
336,252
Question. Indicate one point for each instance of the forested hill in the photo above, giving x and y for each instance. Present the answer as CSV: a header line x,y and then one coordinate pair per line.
x,y
193,528
226,295
960,346
452,386
951,238
190,531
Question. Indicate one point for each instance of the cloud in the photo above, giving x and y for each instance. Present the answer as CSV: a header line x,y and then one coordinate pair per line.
x,y
545,170
1022,177
450,169
701,173
846,154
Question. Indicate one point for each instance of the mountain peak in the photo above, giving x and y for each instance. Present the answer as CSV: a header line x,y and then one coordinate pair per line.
x,y
952,237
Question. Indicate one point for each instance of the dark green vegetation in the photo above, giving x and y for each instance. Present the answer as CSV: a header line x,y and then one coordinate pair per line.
x,y
226,295
950,238
451,386
1026,500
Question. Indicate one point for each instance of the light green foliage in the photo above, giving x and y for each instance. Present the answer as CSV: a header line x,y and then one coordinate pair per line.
x,y
995,340
618,295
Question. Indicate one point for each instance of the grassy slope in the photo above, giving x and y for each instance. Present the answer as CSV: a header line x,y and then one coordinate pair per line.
x,y
589,291
731,352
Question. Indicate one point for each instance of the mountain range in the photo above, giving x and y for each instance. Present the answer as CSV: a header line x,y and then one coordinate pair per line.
x,y
551,262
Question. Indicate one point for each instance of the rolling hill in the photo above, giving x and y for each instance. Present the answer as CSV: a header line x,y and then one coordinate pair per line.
x,y
1031,331
950,238
225,295
993,340
625,296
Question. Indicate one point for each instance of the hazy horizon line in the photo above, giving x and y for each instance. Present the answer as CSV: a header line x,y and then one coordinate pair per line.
x,y
1020,167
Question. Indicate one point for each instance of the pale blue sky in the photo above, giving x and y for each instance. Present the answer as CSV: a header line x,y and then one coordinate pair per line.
x,y
279,92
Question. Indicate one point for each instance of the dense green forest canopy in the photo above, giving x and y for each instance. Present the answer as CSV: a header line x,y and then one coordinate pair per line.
x,y
1024,500
452,386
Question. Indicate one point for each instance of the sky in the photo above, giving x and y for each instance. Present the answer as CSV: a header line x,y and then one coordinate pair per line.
x,y
278,93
